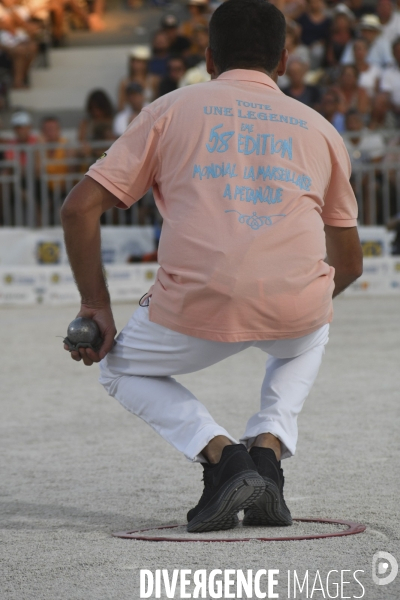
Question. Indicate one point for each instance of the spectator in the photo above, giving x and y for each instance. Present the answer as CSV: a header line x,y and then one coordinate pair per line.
x,y
138,72
55,163
315,28
365,148
294,48
176,70
329,108
177,44
342,34
197,74
57,8
96,15
97,123
134,104
297,89
382,118
390,83
390,20
369,75
200,42
15,40
160,54
351,95
21,122
379,52
197,10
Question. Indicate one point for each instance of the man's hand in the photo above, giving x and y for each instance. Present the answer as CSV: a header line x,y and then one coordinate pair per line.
x,y
80,216
103,316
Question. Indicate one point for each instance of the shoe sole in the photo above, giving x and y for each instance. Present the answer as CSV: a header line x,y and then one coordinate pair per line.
x,y
270,509
238,493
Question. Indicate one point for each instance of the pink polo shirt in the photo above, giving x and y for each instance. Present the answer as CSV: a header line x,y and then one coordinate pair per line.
x,y
244,178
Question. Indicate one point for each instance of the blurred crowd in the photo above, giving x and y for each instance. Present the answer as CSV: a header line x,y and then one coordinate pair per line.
x,y
29,27
344,62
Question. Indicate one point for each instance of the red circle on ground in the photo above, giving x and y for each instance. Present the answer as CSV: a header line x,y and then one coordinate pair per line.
x,y
352,529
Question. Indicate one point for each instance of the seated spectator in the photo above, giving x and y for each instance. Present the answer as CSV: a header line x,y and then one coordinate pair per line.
x,y
382,118
21,123
315,28
138,72
58,8
98,121
365,148
342,34
351,95
160,54
177,44
390,83
16,41
197,74
294,48
201,40
96,15
369,75
55,163
197,10
176,70
297,89
379,52
134,104
329,108
390,20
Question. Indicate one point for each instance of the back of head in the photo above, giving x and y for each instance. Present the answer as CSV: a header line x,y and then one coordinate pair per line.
x,y
247,34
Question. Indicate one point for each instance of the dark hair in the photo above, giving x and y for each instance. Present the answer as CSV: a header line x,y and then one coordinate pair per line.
x,y
99,99
247,34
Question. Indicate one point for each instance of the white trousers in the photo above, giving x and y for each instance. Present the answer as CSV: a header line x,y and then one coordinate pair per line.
x,y
137,372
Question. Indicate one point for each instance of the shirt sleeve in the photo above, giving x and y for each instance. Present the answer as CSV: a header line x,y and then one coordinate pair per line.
x,y
129,168
340,205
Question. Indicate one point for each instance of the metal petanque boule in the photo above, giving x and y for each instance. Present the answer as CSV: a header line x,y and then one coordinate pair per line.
x,y
83,333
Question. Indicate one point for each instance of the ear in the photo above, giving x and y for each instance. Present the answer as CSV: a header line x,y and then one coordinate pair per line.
x,y
281,68
211,68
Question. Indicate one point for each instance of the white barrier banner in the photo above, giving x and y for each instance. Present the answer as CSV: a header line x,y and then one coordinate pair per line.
x,y
56,285
21,246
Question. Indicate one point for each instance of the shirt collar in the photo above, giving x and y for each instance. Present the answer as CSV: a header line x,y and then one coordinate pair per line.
x,y
248,75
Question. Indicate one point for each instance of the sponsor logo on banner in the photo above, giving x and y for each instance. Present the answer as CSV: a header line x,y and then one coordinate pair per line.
x,y
372,248
48,253
150,275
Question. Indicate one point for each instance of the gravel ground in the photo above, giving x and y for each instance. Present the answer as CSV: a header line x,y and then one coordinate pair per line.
x,y
76,467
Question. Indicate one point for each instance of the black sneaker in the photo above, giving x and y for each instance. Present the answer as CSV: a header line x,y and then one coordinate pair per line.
x,y
229,486
270,508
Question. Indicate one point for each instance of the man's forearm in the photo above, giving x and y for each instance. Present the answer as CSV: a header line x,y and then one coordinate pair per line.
x,y
80,216
83,244
342,281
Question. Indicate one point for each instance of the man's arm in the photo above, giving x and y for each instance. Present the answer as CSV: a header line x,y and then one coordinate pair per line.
x,y
80,217
344,253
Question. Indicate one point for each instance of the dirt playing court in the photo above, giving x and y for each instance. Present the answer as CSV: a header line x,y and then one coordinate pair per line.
x,y
76,467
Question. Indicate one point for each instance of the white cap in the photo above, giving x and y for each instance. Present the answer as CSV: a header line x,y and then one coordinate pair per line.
x,y
140,52
21,119
370,22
